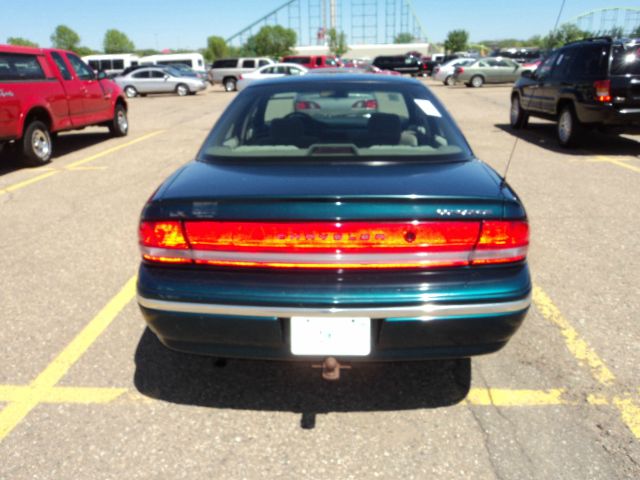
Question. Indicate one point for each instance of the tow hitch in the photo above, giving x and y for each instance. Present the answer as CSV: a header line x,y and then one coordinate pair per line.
x,y
331,369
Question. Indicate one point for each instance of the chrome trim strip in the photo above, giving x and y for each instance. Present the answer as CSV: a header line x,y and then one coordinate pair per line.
x,y
426,311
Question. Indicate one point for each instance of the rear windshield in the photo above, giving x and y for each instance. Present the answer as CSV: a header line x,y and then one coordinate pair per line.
x,y
626,60
336,118
225,63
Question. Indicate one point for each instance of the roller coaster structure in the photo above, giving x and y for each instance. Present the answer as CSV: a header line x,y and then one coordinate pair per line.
x,y
607,19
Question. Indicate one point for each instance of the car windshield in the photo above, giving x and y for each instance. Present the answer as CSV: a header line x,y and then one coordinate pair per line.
x,y
336,118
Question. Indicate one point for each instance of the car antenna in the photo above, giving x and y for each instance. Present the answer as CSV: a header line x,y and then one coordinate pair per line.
x,y
506,170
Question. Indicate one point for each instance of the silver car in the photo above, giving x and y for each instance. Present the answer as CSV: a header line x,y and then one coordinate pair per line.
x,y
159,80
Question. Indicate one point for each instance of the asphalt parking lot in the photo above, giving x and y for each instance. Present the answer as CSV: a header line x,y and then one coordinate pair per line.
x,y
87,392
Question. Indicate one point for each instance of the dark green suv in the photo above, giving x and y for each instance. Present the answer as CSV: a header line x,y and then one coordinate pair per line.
x,y
589,83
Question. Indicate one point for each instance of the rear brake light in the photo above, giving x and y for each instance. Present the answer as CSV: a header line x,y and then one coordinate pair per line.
x,y
366,104
603,90
334,245
459,70
240,77
304,105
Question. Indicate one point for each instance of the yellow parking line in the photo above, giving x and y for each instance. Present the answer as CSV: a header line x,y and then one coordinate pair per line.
x,y
617,162
74,165
502,397
86,395
578,347
114,149
630,412
15,412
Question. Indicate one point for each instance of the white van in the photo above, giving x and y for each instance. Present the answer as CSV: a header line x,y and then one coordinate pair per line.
x,y
112,64
193,60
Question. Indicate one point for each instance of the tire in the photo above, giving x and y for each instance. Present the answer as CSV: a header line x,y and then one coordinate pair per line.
x,y
119,125
130,91
182,90
476,81
518,118
229,84
569,128
449,81
36,144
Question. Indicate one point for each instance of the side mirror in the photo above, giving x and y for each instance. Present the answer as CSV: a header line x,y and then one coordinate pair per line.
x,y
167,77
102,75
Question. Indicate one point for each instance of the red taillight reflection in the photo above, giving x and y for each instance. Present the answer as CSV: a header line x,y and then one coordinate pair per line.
x,y
366,104
335,244
603,90
305,105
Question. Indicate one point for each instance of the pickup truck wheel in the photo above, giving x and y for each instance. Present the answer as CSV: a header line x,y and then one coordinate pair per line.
x,y
182,90
569,127
518,117
130,91
229,84
477,81
449,81
119,126
36,144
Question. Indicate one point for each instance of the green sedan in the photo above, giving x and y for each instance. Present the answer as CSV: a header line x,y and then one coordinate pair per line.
x,y
488,70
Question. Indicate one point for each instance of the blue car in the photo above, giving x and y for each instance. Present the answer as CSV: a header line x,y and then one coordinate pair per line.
x,y
335,218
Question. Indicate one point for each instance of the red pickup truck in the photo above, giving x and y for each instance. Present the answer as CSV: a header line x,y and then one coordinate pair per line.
x,y
44,91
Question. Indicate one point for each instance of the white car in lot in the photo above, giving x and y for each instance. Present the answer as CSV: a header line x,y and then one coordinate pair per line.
x,y
444,73
270,71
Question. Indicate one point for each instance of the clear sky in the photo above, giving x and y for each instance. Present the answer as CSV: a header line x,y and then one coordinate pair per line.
x,y
187,23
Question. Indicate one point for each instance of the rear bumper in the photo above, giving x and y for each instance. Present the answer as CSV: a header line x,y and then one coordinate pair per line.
x,y
624,119
471,319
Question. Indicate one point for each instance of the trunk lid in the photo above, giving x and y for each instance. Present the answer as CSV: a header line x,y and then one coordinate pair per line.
x,y
625,75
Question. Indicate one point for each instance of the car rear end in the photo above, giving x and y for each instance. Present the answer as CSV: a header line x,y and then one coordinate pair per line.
x,y
621,91
354,247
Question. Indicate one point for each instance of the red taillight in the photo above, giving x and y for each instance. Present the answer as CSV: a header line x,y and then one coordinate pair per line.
x,y
366,104
335,244
459,70
305,105
240,77
603,90
164,242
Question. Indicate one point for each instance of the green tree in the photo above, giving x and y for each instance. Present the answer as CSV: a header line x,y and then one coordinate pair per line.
x,y
216,48
82,51
403,37
65,38
337,42
568,32
272,41
116,41
636,32
22,42
147,51
456,41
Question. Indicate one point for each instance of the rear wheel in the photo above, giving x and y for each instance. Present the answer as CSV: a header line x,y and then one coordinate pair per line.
x,y
130,91
569,127
36,144
182,90
518,117
449,81
477,81
119,125
229,84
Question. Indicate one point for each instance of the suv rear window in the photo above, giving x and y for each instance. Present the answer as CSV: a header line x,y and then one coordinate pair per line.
x,y
20,67
591,61
626,60
352,120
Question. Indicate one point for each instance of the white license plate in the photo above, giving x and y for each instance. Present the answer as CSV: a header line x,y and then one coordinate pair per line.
x,y
331,336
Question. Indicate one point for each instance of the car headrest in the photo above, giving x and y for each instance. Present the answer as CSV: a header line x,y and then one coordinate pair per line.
x,y
384,129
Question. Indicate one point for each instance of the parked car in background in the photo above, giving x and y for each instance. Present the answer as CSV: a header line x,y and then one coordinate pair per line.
x,y
363,69
193,60
227,71
518,54
586,84
270,71
190,72
44,91
488,70
112,64
159,80
444,73
330,218
400,63
313,61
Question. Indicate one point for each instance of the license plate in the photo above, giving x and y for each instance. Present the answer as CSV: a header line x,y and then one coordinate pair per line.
x,y
331,336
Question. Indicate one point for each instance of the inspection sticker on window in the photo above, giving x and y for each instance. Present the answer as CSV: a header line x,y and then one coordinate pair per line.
x,y
427,107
